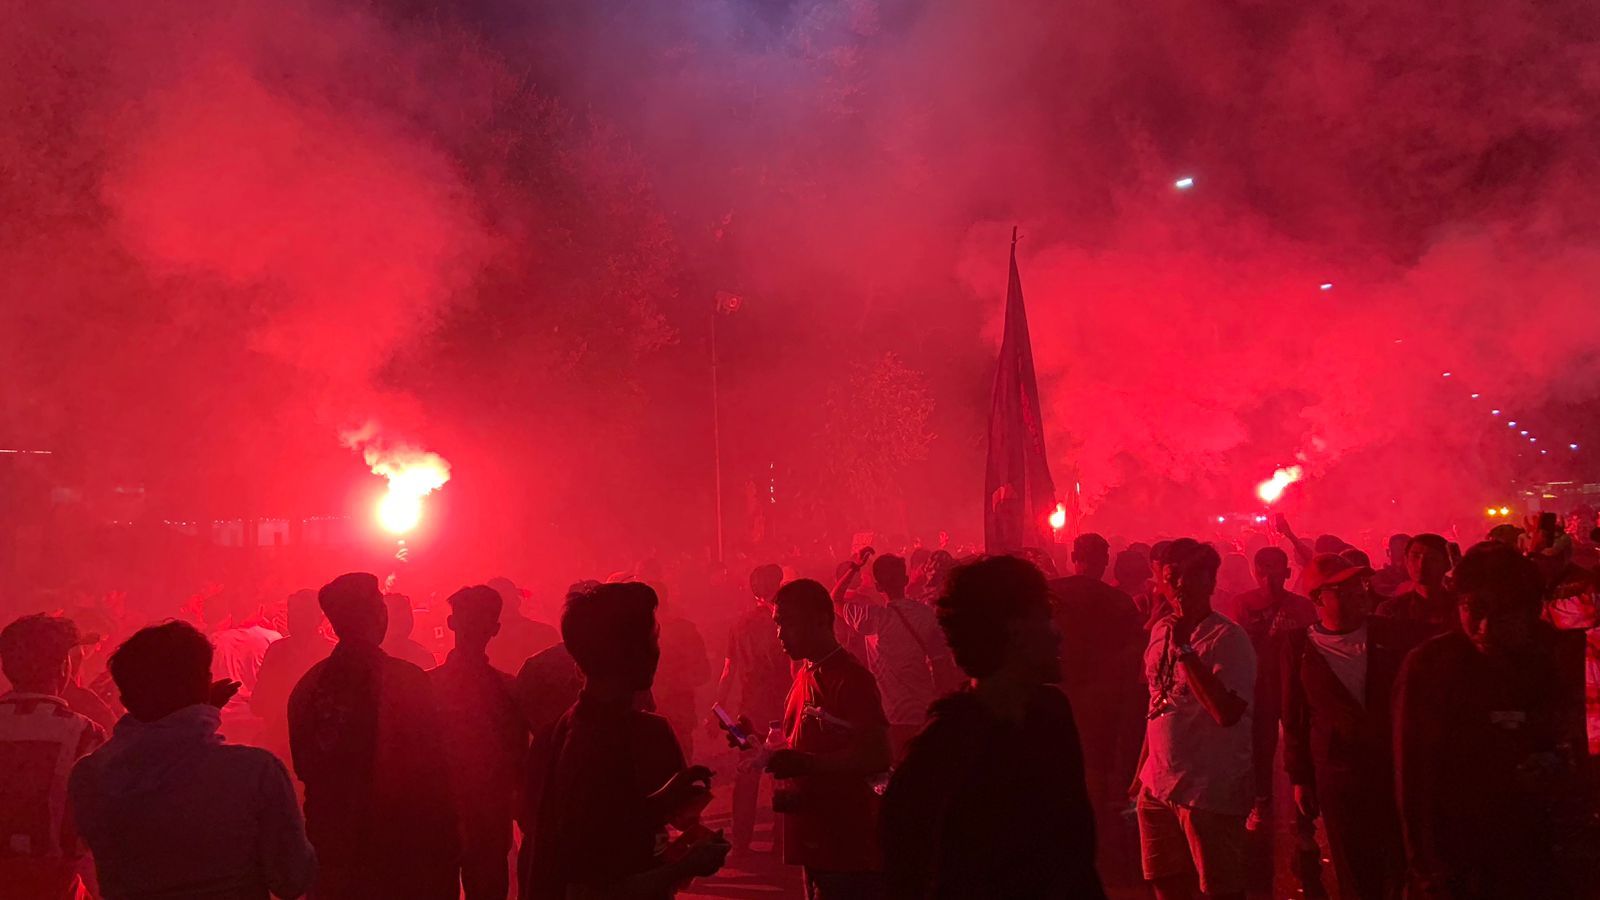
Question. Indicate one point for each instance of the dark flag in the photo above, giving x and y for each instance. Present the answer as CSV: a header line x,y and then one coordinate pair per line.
x,y
1020,495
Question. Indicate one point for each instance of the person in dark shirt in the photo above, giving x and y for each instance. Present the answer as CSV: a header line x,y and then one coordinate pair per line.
x,y
615,778
487,744
755,676
1427,599
520,637
1102,642
1389,580
397,640
365,736
838,740
990,800
1489,733
1337,681
285,663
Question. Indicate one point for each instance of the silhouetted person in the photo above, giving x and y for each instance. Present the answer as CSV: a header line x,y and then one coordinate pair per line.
x,y
520,637
906,651
684,669
397,640
285,663
1194,785
990,799
366,740
838,740
1425,598
755,677
1337,681
1131,573
1102,641
1389,580
40,739
1488,734
615,777
170,810
487,743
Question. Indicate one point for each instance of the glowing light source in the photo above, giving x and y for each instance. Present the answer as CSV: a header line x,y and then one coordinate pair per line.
x,y
1572,446
412,474
1494,412
1270,490
1474,396
1491,512
1058,518
1511,424
1523,432
1445,375
1505,510
1221,520
1327,285
1184,183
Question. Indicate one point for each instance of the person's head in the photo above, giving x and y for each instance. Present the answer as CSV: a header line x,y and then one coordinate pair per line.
x,y
475,615
1328,543
918,559
1397,549
162,669
354,606
1235,574
35,653
765,581
1191,575
889,574
304,614
510,597
1132,569
1356,556
1427,559
611,632
1499,596
1091,554
1508,534
995,614
401,619
1271,568
1158,561
1338,588
803,611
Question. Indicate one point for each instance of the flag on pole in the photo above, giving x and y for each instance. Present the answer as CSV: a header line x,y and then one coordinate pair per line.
x,y
1020,495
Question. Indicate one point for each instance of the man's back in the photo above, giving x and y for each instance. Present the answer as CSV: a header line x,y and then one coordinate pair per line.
x,y
905,650
487,742
364,733
40,739
759,664
520,638
239,654
170,810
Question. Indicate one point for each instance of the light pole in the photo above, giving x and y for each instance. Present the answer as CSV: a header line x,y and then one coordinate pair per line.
x,y
727,304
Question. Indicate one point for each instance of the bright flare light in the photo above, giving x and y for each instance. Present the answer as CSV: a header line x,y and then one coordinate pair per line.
x,y
413,474
1183,184
1270,490
1058,518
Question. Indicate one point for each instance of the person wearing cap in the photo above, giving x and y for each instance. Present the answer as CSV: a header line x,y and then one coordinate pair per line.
x,y
1489,742
1337,678
40,740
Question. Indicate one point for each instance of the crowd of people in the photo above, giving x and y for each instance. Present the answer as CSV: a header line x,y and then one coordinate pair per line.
x,y
1207,722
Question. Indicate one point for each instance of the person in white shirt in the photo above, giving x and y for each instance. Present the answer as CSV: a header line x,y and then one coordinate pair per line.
x,y
906,650
166,806
1194,786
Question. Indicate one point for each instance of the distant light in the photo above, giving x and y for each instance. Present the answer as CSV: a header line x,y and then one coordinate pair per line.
x,y
1533,440
1494,412
1221,519
1445,375
1058,517
1505,510
1543,452
1572,446
1474,396
1511,424
1184,183
1327,285
1398,341
1491,512
1260,519
1523,432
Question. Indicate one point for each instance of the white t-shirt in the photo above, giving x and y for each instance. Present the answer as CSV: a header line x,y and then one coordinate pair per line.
x,y
1191,760
1347,657
905,673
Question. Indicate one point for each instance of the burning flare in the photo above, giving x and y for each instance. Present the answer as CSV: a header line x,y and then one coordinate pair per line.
x,y
1058,518
413,474
1270,490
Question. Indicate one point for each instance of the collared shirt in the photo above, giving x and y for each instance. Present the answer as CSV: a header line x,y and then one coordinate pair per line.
x,y
40,740
905,648
169,809
835,827
1191,760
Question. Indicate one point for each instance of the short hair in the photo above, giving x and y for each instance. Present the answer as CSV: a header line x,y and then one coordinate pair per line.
x,y
1131,566
161,669
478,600
1090,543
606,626
33,649
1356,556
980,601
1189,555
765,580
1271,556
344,598
1328,543
1399,539
1433,542
808,597
1500,578
1159,551
889,569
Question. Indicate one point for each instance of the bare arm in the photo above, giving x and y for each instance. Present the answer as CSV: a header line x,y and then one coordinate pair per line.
x,y
1226,707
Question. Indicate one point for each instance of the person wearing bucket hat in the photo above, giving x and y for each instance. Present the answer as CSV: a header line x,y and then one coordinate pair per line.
x,y
1337,678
